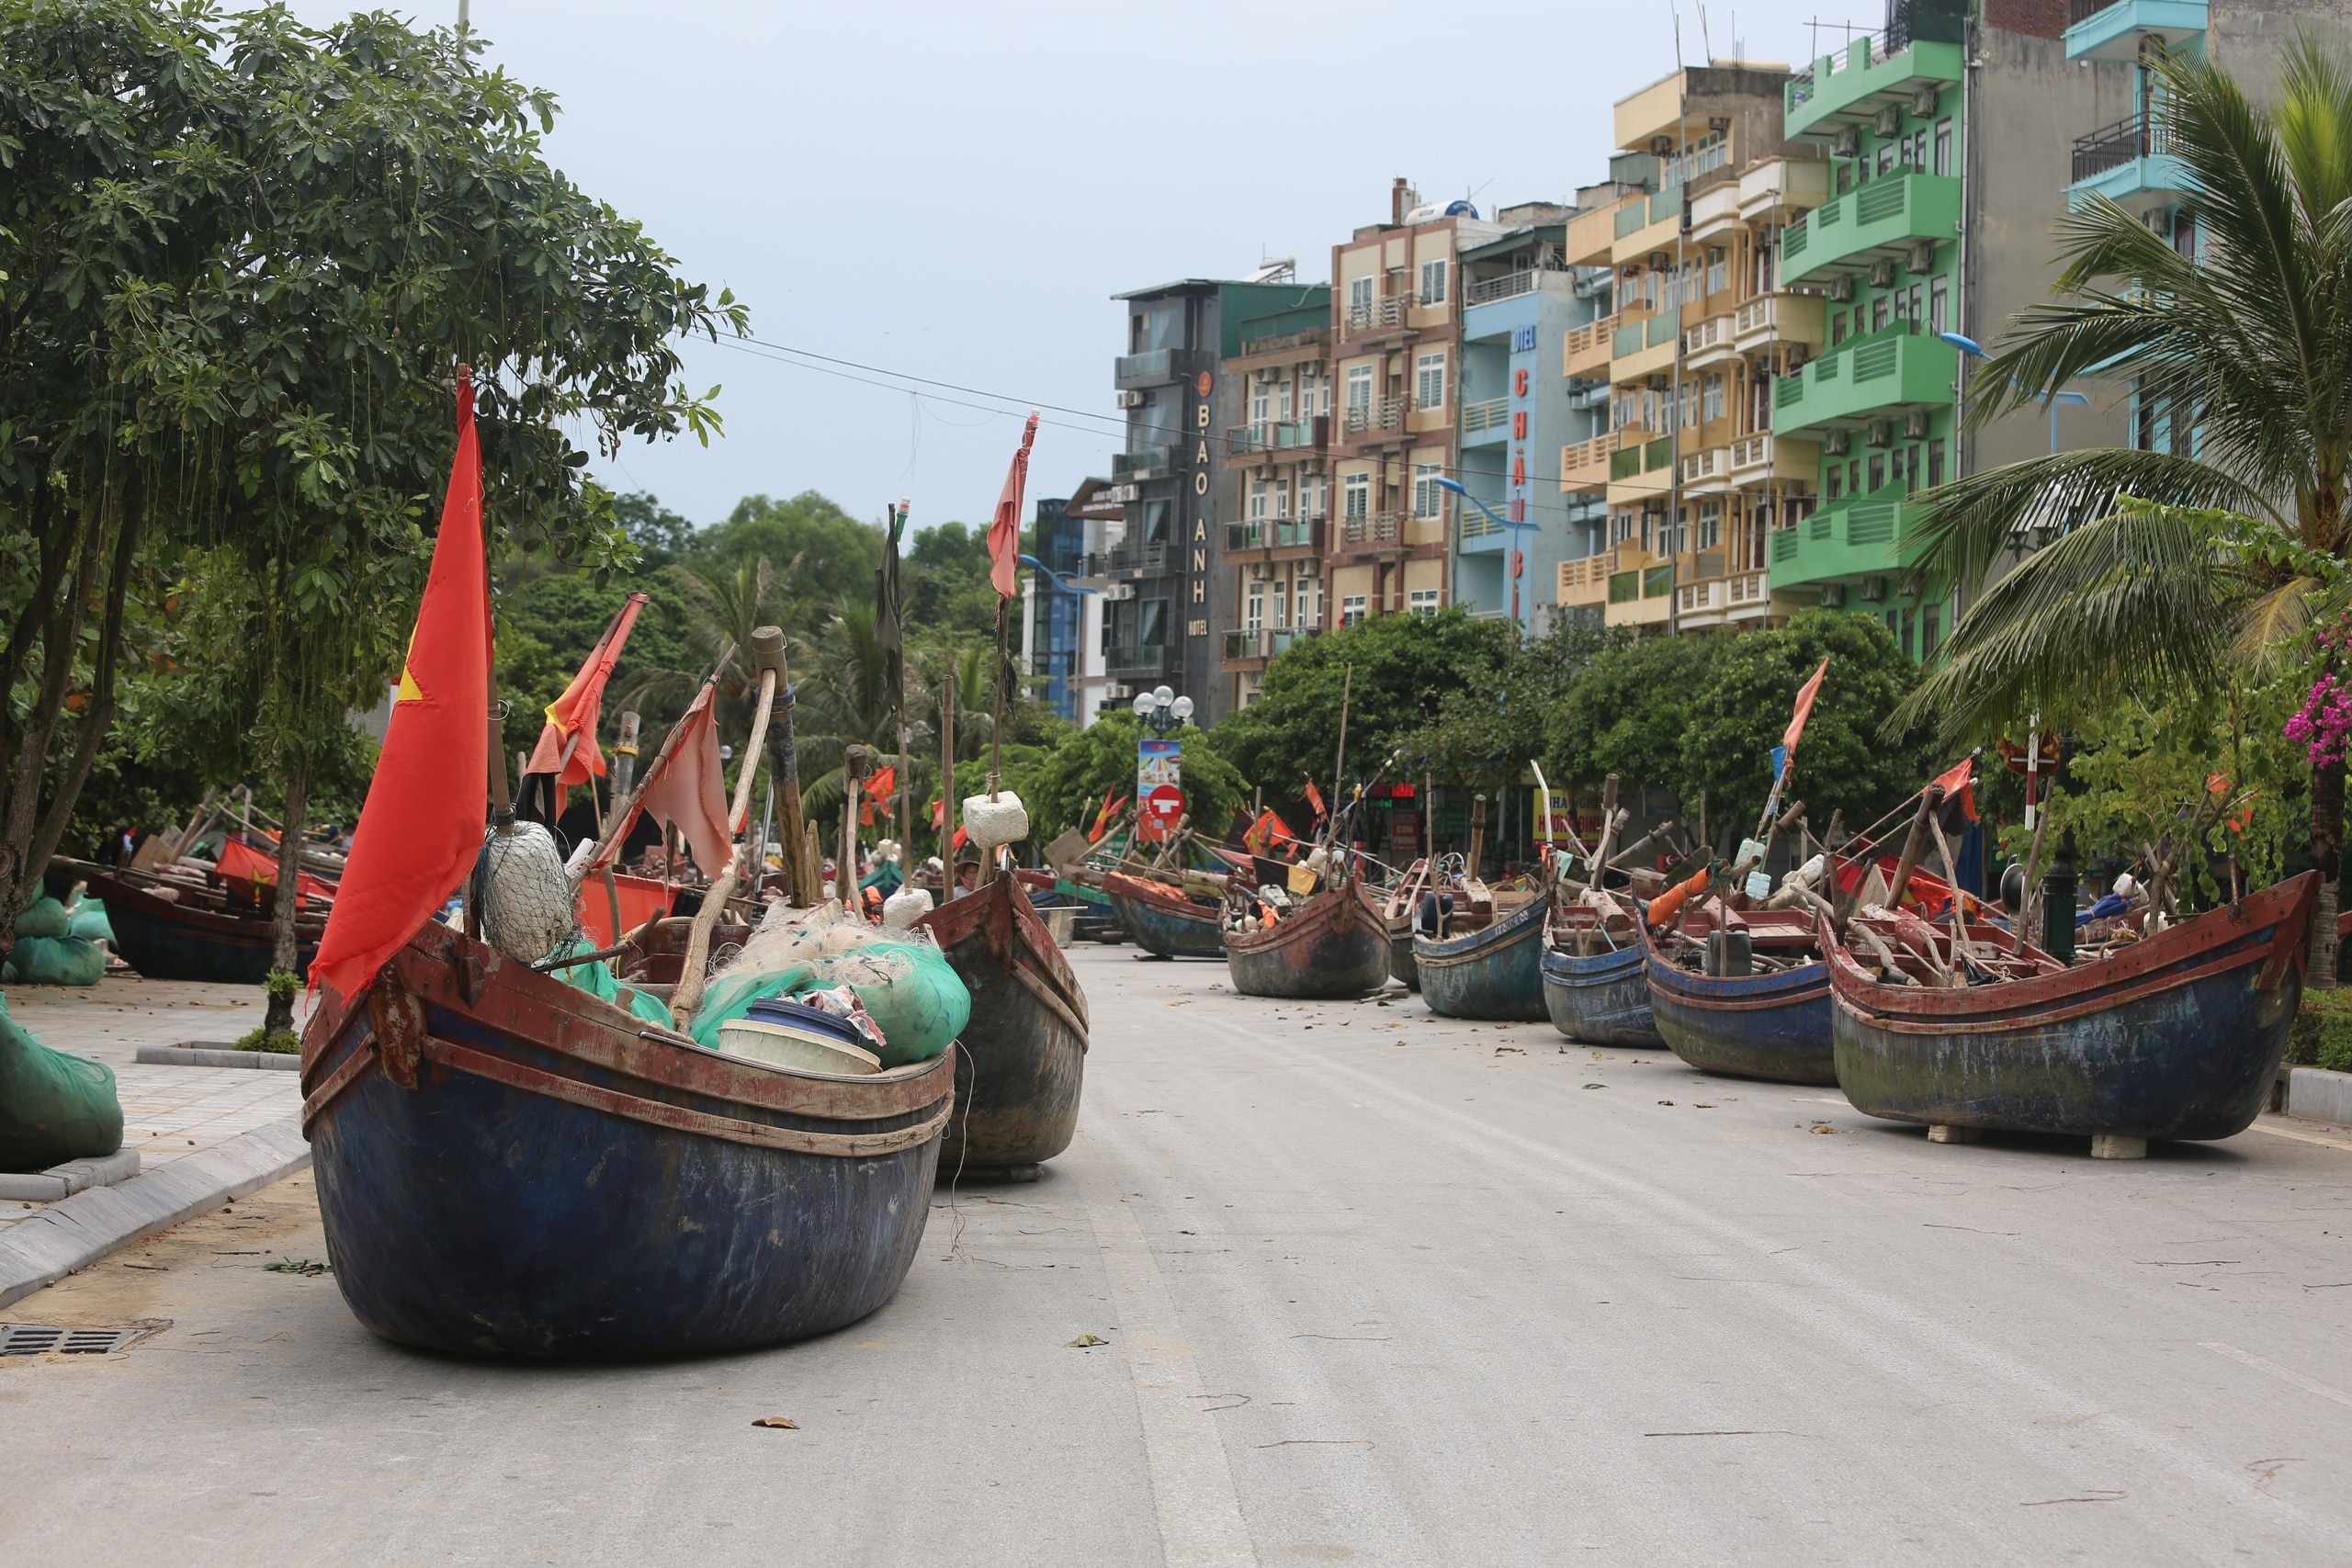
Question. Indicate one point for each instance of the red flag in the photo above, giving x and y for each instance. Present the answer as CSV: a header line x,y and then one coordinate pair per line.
x,y
688,788
240,862
1102,817
421,826
878,794
1004,528
939,812
1806,694
576,712
1315,798
1958,781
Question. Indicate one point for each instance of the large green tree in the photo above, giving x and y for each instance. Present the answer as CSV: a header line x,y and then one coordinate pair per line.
x,y
2169,569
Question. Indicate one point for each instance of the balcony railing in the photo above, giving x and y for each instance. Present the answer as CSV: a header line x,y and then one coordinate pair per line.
x,y
1586,579
1142,460
1156,364
1386,415
1702,468
1476,525
1273,435
1126,557
1124,660
1379,528
1751,452
2080,11
1707,334
1492,414
1591,454
1274,533
1264,642
1907,22
2139,135
1378,315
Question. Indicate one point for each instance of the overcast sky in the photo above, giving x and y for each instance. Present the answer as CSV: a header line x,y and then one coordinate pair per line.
x,y
955,190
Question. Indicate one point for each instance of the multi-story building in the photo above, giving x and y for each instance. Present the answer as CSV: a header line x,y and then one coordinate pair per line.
x,y
1098,510
1684,338
1053,626
1395,336
1161,575
1276,506
1519,296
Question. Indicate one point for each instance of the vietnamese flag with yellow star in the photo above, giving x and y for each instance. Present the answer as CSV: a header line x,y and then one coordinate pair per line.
x,y
421,827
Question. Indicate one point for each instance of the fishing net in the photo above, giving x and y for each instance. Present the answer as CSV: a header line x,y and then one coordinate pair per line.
x,y
90,922
54,961
44,917
901,978
53,1107
526,905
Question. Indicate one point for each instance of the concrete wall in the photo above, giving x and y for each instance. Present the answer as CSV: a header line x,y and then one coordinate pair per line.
x,y
2249,37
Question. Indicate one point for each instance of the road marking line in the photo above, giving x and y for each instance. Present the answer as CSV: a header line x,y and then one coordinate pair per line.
x,y
2276,1371
2322,1139
1192,1485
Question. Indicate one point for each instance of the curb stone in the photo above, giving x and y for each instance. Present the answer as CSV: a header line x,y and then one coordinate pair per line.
x,y
216,1056
71,1234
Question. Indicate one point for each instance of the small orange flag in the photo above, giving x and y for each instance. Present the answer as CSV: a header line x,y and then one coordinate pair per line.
x,y
577,711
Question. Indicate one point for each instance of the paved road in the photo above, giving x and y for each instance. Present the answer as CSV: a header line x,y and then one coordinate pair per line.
x,y
1373,1288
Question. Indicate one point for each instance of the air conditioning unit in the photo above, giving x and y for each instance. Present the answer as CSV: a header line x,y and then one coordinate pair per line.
x,y
1920,257
1307,569
1130,399
1837,443
1881,432
1890,120
1117,689
1833,595
1882,272
1848,142
1259,572
1841,289
1925,100
1265,472
1915,425
1874,590
1116,592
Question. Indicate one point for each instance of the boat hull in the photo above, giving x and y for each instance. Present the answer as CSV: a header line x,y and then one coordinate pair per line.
x,y
1337,946
1602,1001
2178,1036
165,941
1495,973
1161,929
1401,967
1023,1052
1752,1026
508,1167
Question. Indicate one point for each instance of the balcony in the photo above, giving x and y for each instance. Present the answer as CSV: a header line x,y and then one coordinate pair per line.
x,y
1706,472
1851,86
1141,369
1593,236
1644,348
2111,29
1130,661
1639,594
1859,539
1775,318
1892,216
1647,226
1586,464
1376,316
1870,378
1386,416
1274,533
1634,457
1476,530
2131,157
1767,459
1256,644
1586,581
1510,286
1709,342
1378,531
1127,560
1586,350
1143,463
1276,436
1490,418
1783,186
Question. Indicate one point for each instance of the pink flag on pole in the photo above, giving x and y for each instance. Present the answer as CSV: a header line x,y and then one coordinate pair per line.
x,y
1810,690
1004,528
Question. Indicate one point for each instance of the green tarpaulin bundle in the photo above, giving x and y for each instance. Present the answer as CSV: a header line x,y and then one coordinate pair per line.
x,y
53,1107
44,917
914,997
597,980
53,961
90,922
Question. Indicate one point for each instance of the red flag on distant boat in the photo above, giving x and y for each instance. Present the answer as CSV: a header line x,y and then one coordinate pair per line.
x,y
878,790
1806,694
1102,817
1959,783
421,829
1004,528
1315,798
688,789
576,712
240,862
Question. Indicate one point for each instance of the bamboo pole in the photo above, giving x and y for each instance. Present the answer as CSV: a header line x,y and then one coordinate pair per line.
x,y
1915,844
685,1000
783,770
622,814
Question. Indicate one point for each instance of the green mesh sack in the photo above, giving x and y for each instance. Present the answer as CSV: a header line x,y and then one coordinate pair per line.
x,y
90,922
57,960
53,1107
915,997
597,980
44,917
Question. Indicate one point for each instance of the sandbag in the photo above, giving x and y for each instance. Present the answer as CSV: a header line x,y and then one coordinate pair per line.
x,y
57,960
53,1107
44,917
90,922
597,980
902,979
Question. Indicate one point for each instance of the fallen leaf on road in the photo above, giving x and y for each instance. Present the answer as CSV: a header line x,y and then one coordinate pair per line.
x,y
1500,1049
1666,1102
1181,1004
1823,1127
778,1422
1595,1086
158,1267
1705,1104
308,1267
1086,1342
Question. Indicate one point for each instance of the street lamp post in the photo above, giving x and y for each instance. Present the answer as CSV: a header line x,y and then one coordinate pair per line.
x,y
1162,710
1975,350
1514,529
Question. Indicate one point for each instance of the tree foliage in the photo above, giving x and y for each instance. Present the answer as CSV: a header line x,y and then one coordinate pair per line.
x,y
1070,781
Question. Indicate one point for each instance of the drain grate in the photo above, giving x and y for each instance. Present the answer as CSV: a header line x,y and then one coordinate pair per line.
x,y
40,1339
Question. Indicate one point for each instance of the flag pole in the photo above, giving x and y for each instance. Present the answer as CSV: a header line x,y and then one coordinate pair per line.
x,y
618,822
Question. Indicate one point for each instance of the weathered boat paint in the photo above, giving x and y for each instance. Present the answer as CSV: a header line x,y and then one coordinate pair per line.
x,y
1493,972
507,1166
2178,1036
1335,946
1401,966
164,940
1396,913
1602,999
1163,922
1756,1026
1024,1049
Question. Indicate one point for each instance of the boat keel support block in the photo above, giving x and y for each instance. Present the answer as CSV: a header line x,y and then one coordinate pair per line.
x,y
2115,1146
1943,1132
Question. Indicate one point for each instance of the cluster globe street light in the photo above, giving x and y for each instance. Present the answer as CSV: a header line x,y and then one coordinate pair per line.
x,y
1162,709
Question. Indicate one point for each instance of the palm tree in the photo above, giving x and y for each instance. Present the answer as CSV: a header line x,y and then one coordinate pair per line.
x,y
2173,569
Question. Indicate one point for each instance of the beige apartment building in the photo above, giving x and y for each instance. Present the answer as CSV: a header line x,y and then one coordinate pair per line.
x,y
1695,330
1396,366
1277,511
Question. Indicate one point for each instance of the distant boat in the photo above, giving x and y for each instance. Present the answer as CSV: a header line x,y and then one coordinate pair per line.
x,y
2176,1036
1493,972
1595,985
1397,905
508,1165
170,930
1162,920
1769,1024
1024,1049
1335,946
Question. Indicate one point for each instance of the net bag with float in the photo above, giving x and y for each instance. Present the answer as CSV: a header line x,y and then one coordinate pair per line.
x,y
916,1000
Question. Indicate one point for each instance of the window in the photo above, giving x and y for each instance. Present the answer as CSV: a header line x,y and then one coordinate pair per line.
x,y
1351,610
1713,401
1710,525
1159,523
1934,462
1877,474
1886,151
1359,388
1690,400
1942,156
1256,615
1939,304
1357,490
1152,623
1281,605
1360,295
1433,283
1428,497
1878,313
1844,178
1311,494
1281,498
1261,398
1309,600
1620,527
1837,481
1928,630
1422,601
1836,328
1283,400
1430,382
1255,509
1718,270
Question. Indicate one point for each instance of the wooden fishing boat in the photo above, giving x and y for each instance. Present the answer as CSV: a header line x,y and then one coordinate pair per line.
x,y
196,932
1336,946
1595,985
1162,920
508,1165
1396,908
1024,1049
1767,1024
2176,1036
1493,972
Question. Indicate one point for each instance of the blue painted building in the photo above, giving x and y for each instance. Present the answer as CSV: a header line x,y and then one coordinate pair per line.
x,y
1056,613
